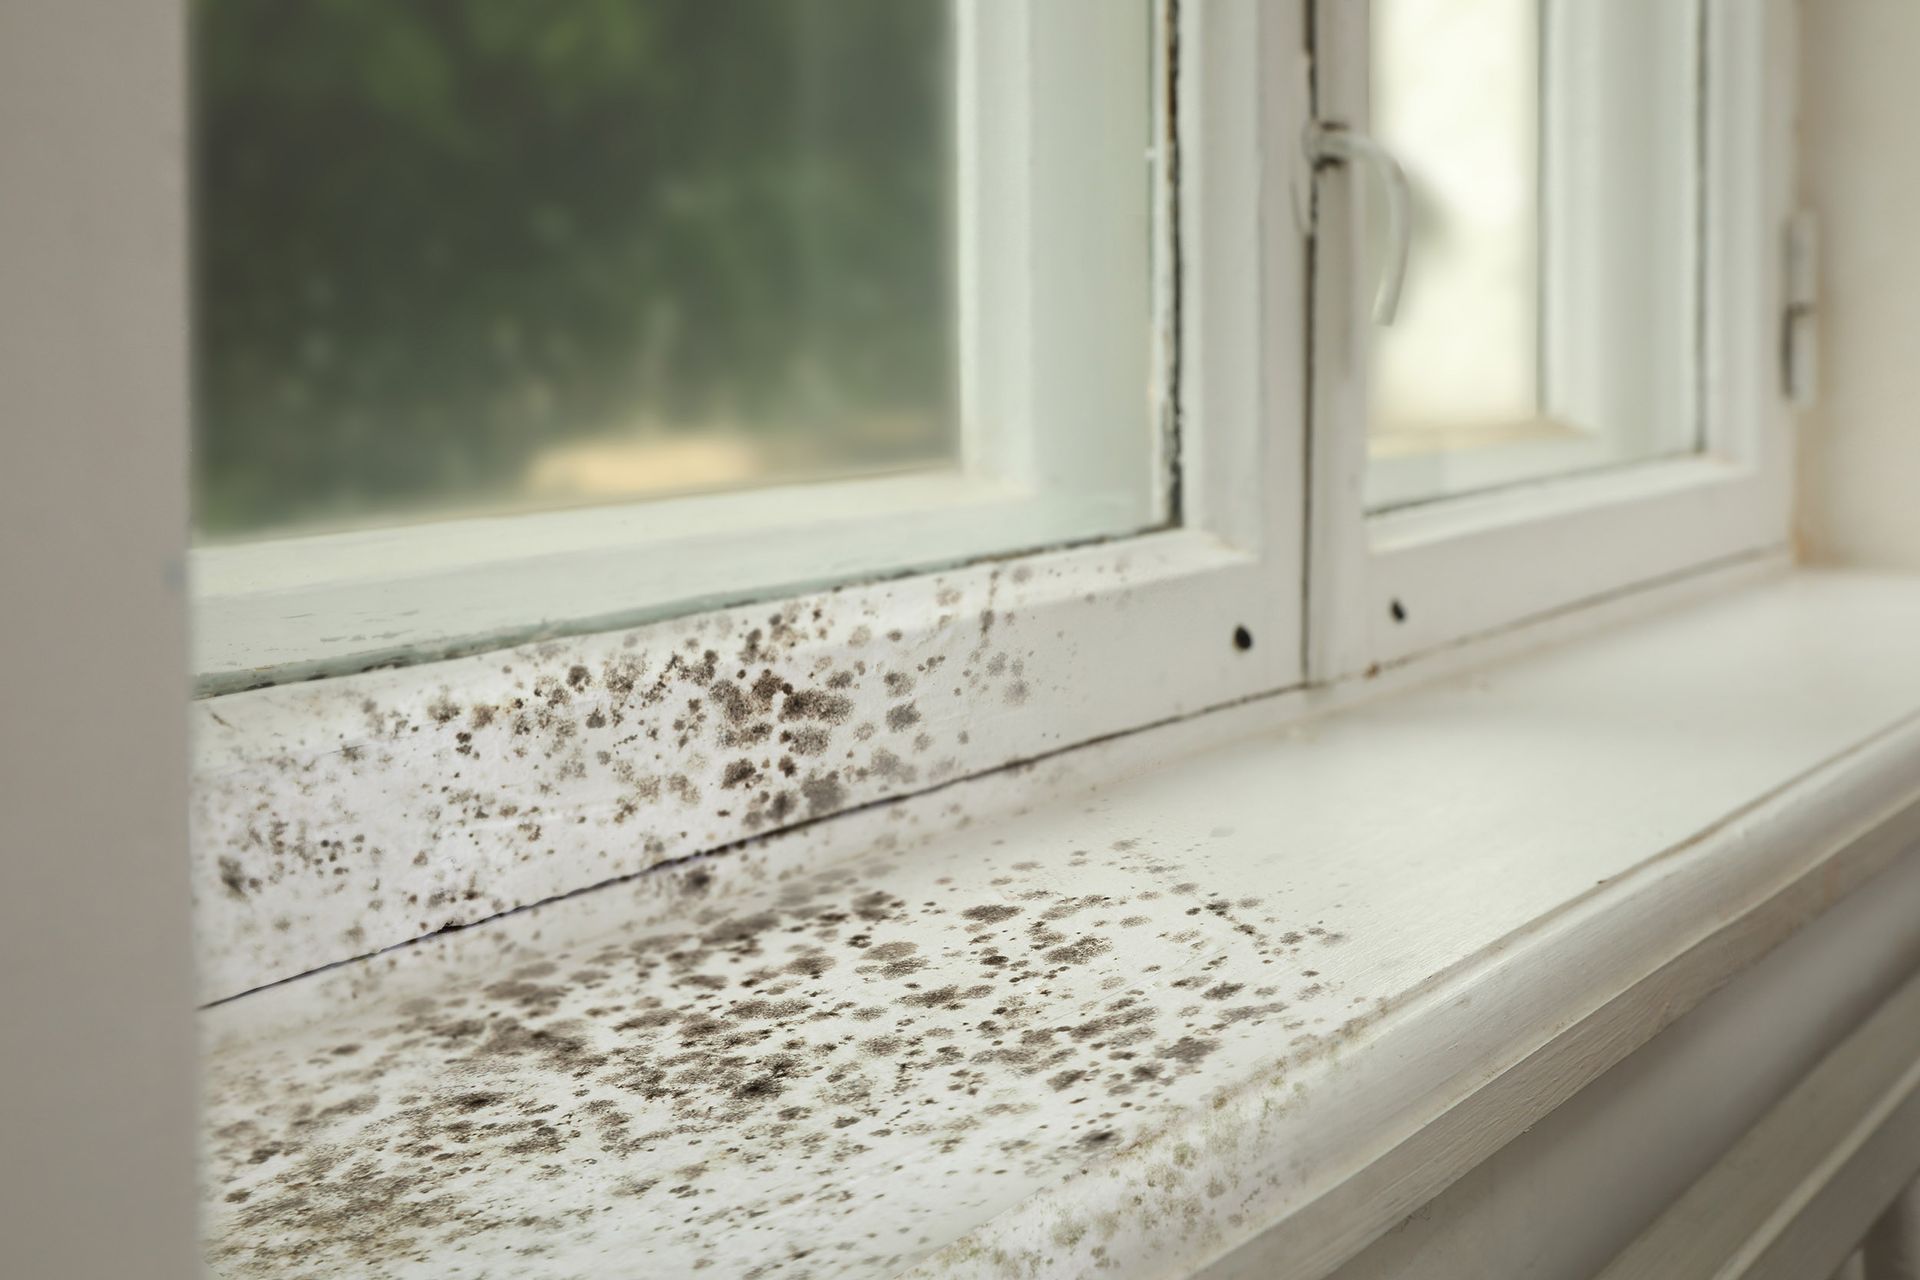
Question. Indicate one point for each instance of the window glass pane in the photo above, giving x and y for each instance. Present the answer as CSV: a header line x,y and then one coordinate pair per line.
x,y
470,256
1549,323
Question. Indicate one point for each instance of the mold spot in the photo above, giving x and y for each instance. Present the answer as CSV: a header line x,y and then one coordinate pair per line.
x,y
823,793
811,966
234,877
817,704
1189,1049
808,740
1080,952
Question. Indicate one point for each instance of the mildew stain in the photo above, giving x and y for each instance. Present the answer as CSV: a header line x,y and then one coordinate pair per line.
x,y
400,803
745,1085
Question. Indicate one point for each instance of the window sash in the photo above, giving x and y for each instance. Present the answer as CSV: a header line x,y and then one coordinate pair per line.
x,y
1062,411
1388,586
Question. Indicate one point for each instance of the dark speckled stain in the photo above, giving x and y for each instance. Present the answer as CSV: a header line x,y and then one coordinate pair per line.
x,y
564,764
787,1038
1188,1049
233,877
816,704
823,793
1080,952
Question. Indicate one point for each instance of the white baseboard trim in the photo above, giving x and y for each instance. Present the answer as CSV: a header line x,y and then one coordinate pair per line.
x,y
1794,1198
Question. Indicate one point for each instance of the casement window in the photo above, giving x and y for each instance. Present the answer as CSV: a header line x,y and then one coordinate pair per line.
x,y
523,321
674,474
574,317
1582,391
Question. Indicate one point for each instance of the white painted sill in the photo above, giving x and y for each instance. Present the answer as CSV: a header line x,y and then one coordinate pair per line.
x,y
1307,972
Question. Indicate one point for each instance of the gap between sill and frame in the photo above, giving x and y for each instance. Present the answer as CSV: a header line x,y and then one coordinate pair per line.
x,y
1343,693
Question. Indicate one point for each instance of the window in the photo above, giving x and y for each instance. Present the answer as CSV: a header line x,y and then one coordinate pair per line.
x,y
1123,300
1549,322
574,315
538,256
1580,391
1138,471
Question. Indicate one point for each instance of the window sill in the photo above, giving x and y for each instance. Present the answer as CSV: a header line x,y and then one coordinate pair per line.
x,y
1224,978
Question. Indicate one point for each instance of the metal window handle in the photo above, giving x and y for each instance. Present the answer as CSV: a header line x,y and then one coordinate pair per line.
x,y
1327,143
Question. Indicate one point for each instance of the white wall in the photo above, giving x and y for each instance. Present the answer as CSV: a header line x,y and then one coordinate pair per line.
x,y
97,1106
1860,168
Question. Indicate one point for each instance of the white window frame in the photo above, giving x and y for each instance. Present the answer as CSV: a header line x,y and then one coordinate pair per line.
x,y
298,608
1116,635
1229,561
1615,179
1387,587
1037,652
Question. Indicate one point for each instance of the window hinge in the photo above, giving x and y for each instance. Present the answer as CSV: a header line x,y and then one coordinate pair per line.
x,y
1799,330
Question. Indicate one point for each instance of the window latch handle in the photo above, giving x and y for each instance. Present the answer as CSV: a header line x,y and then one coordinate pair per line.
x,y
1330,143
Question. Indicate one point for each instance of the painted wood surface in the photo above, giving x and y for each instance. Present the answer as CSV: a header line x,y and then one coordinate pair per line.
x,y
1299,979
1463,567
1796,1195
334,819
1892,1249
341,817
1560,1201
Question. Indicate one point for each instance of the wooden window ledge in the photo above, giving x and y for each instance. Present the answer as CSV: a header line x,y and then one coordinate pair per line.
x,y
1117,1012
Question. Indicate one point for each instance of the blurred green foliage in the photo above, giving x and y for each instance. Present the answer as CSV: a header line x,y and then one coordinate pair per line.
x,y
434,237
